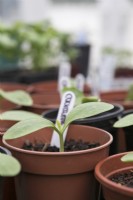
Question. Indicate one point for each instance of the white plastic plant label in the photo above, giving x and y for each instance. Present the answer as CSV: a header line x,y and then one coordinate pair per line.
x,y
67,104
64,69
80,81
64,82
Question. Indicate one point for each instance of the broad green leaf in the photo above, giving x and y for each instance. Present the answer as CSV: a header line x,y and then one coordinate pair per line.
x,y
127,158
9,166
18,97
17,115
124,121
86,110
26,127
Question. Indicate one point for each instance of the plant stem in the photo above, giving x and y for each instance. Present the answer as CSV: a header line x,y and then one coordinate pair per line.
x,y
61,143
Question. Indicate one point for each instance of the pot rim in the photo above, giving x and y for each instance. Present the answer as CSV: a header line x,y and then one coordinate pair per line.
x,y
108,183
6,151
126,112
65,153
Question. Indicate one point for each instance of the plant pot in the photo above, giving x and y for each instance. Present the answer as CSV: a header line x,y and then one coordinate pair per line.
x,y
108,167
4,125
52,87
43,102
60,175
7,187
30,76
7,86
5,105
117,96
124,71
104,121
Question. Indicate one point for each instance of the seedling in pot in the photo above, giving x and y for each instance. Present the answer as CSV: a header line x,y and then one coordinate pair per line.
x,y
121,123
18,97
67,104
81,111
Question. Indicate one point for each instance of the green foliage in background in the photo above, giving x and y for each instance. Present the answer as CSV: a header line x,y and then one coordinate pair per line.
x,y
129,96
39,42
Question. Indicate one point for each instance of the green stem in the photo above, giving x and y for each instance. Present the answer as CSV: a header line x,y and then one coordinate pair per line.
x,y
61,143
60,133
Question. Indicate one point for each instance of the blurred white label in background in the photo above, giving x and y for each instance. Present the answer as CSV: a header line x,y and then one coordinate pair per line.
x,y
80,81
64,81
106,72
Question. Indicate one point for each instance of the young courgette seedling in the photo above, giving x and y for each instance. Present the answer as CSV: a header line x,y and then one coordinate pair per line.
x,y
81,111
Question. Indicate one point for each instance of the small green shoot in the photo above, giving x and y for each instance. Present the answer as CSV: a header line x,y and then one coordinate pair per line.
x,y
90,99
81,111
18,97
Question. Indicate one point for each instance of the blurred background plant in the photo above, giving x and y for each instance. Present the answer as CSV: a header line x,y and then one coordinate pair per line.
x,y
10,45
123,56
35,45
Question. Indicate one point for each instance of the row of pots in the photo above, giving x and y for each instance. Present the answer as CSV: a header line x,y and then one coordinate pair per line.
x,y
45,101
54,182
46,89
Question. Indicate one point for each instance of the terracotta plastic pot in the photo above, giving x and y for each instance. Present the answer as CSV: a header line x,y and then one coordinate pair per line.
x,y
52,87
6,105
7,187
15,86
30,76
43,102
108,167
60,175
4,125
117,96
104,121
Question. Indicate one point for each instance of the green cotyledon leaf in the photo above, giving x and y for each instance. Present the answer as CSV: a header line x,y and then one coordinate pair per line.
x,y
124,121
18,97
87,110
17,115
127,158
26,127
9,166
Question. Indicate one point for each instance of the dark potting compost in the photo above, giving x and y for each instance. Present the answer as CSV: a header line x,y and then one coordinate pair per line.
x,y
124,179
70,145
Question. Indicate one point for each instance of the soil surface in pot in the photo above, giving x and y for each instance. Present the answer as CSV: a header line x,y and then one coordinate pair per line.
x,y
70,145
124,179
